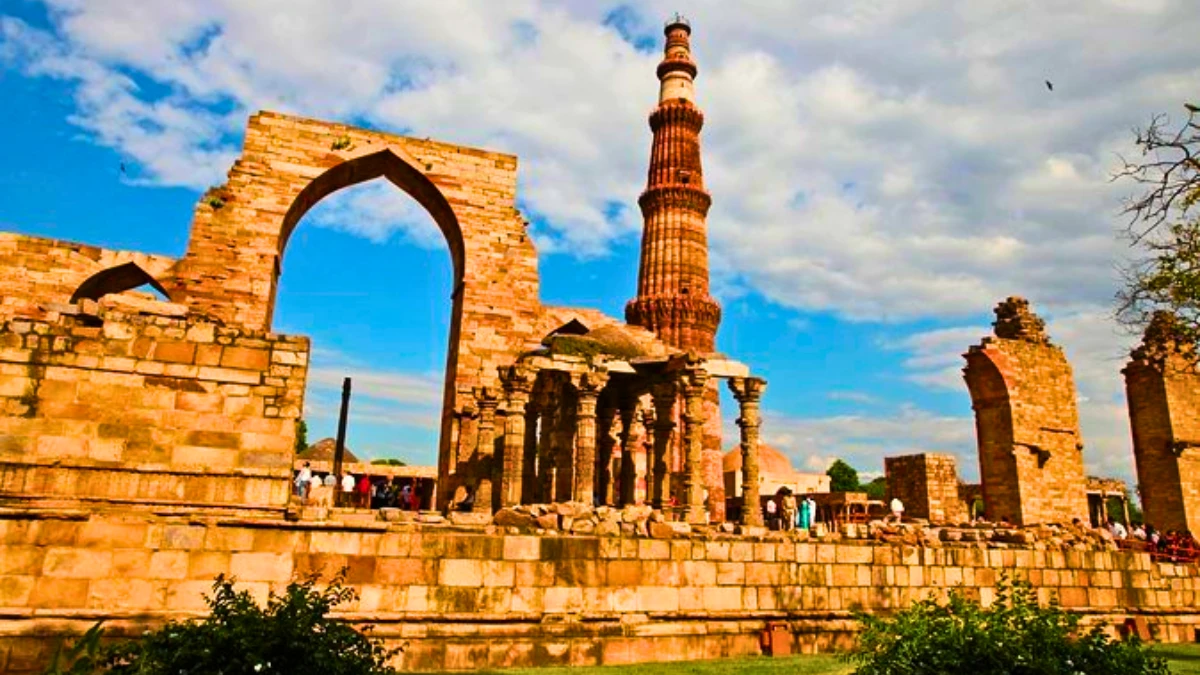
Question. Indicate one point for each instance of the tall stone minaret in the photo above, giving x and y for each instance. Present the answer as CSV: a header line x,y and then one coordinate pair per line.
x,y
672,298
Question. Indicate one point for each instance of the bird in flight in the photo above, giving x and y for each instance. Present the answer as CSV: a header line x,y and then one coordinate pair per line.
x,y
1049,85
122,167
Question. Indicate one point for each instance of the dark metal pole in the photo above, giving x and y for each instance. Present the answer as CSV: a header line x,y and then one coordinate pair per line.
x,y
339,450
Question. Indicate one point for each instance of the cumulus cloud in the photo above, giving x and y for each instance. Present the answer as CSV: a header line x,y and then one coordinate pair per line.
x,y
899,160
812,443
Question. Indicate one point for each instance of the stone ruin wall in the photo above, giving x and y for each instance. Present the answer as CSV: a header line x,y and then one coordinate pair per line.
x,y
1162,386
109,405
35,271
465,600
927,484
1027,424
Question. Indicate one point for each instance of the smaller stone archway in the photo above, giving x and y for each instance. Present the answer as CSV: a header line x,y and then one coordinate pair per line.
x,y
118,279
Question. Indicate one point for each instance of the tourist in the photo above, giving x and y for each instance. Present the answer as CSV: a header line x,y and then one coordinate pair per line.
x,y
330,479
897,509
1118,529
405,496
789,511
772,514
1139,532
303,479
347,497
414,503
812,510
364,492
805,514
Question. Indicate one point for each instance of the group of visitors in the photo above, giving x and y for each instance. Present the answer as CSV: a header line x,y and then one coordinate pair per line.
x,y
363,491
1170,546
786,512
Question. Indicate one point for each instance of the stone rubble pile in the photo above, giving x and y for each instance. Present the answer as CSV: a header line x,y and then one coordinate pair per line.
x,y
643,521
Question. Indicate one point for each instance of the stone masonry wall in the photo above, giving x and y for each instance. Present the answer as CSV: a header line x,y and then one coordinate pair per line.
x,y
149,409
1163,390
468,600
1026,421
927,484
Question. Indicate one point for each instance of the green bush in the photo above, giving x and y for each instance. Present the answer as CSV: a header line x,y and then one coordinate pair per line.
x,y
292,635
1013,636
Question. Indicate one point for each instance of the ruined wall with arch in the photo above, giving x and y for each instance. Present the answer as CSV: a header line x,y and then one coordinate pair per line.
x,y
228,389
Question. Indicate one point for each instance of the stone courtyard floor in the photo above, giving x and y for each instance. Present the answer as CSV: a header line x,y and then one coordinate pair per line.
x,y
1184,659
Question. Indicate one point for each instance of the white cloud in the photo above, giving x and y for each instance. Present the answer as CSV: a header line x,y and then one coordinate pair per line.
x,y
863,441
898,160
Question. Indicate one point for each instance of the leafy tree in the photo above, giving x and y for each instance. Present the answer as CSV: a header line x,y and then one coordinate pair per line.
x,y
1165,226
388,462
1014,636
301,436
842,477
291,635
876,489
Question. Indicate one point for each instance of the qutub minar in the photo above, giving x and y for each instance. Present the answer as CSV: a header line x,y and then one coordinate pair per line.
x,y
147,445
672,295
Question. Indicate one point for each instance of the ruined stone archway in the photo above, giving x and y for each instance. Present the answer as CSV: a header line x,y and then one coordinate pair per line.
x,y
288,164
118,279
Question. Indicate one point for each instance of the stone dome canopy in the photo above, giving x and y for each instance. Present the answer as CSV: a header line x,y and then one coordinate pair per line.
x,y
770,460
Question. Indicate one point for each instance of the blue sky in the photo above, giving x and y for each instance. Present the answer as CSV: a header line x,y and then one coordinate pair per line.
x,y
882,175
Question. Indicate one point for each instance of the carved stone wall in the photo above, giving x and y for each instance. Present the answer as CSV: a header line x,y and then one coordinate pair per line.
x,y
927,484
1162,387
1026,421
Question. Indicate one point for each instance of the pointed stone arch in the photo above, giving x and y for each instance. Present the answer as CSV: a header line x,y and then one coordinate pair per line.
x,y
241,228
117,279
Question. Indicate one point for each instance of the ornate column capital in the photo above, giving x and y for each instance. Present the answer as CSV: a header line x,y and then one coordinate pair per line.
x,y
747,389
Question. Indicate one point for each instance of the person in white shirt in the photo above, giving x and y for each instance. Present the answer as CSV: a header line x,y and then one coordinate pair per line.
x,y
347,490
1118,530
1139,532
303,480
897,509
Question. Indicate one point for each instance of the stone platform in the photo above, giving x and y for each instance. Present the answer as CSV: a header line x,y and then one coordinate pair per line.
x,y
465,598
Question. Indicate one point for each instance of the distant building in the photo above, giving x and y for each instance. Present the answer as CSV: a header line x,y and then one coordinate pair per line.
x,y
774,471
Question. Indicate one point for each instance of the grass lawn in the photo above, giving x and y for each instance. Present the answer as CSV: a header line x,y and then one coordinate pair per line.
x,y
793,665
1184,659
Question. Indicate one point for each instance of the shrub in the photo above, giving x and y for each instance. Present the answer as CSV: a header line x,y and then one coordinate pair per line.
x,y
1013,636
292,635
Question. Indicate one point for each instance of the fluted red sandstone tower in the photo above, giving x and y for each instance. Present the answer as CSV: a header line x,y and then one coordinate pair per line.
x,y
672,296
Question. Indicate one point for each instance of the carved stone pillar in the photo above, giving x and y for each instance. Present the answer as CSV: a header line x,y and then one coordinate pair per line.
x,y
545,448
529,475
486,400
605,447
692,385
629,407
564,447
518,384
748,392
588,390
664,405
